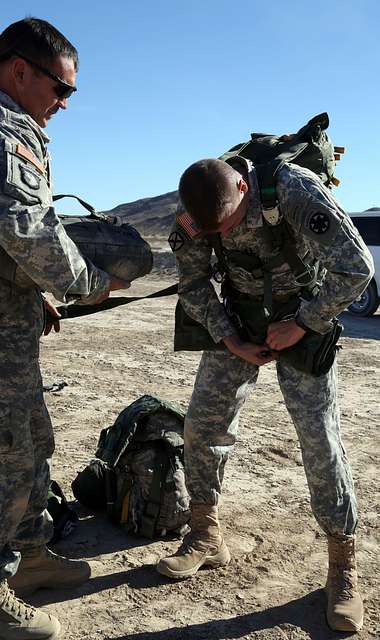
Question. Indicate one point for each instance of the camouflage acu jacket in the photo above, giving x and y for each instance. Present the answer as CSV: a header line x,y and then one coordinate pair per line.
x,y
319,225
34,247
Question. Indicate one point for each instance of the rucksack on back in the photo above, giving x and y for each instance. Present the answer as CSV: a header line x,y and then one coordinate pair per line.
x,y
310,147
138,473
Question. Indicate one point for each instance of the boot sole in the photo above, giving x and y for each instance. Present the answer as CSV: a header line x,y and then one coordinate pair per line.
x,y
221,559
28,590
354,628
53,636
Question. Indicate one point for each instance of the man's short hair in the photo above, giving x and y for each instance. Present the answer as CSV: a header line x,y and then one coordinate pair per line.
x,y
207,189
38,40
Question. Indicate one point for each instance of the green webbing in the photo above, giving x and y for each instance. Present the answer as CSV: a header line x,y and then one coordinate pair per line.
x,y
78,310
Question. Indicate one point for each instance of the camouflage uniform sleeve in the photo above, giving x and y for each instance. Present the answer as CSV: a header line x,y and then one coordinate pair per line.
x,y
33,236
331,237
196,292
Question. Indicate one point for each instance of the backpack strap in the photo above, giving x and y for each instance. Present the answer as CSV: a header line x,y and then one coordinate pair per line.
x,y
152,508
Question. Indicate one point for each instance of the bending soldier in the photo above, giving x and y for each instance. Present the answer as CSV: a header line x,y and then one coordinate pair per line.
x,y
224,200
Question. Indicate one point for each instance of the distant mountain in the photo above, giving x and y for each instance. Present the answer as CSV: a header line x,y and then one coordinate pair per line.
x,y
150,216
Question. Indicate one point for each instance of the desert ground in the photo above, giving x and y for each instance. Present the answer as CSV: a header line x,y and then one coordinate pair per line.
x,y
272,590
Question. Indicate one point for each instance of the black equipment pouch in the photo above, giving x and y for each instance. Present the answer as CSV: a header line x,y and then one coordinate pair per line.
x,y
190,335
315,353
251,318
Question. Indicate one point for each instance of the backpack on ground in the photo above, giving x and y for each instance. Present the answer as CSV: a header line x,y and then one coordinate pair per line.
x,y
138,473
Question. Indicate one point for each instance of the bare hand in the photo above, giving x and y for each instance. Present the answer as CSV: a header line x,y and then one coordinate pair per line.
x,y
115,285
254,353
52,318
283,334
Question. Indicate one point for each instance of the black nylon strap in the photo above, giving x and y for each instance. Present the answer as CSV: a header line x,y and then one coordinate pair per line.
x,y
84,204
76,310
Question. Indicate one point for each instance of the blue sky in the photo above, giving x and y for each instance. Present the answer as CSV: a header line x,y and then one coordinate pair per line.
x,y
163,83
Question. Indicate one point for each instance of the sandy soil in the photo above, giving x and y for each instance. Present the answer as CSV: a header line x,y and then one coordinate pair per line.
x,y
272,588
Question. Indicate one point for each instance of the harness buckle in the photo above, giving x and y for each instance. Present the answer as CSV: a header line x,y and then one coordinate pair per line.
x,y
272,215
308,274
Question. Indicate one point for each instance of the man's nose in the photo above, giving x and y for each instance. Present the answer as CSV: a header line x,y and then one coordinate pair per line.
x,y
62,103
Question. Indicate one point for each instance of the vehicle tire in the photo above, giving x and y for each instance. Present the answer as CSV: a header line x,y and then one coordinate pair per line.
x,y
366,305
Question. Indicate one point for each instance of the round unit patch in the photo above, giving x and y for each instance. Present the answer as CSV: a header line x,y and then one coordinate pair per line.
x,y
319,223
176,240
31,179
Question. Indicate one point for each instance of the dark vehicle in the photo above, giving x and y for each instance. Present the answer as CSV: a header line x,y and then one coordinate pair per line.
x,y
368,225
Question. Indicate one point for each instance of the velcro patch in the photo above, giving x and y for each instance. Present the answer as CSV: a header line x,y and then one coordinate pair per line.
x,y
188,224
26,154
176,240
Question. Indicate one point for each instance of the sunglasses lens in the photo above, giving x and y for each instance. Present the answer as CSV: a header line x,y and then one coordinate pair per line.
x,y
63,92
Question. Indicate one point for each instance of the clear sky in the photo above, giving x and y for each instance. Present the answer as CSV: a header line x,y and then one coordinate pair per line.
x,y
163,83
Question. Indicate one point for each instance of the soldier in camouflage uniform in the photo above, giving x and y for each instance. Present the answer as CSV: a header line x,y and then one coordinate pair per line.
x,y
37,75
225,199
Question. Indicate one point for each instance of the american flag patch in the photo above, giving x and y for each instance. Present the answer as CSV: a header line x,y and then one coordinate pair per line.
x,y
188,224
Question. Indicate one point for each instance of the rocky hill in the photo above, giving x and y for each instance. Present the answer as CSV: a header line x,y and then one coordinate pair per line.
x,y
150,216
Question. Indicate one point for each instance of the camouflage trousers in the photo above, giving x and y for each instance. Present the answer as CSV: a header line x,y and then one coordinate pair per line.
x,y
26,436
222,384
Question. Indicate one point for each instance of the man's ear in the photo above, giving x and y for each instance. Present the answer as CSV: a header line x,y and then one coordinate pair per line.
x,y
242,186
18,70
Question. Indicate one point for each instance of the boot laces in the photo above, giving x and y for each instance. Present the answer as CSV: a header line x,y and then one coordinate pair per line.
x,y
345,583
196,541
17,607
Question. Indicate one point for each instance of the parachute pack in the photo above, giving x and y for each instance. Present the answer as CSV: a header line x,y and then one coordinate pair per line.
x,y
138,472
110,243
310,147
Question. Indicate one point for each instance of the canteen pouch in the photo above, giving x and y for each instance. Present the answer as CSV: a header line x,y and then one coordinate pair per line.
x,y
315,353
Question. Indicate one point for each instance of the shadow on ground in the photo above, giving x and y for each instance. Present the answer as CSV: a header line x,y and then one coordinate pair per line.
x,y
291,620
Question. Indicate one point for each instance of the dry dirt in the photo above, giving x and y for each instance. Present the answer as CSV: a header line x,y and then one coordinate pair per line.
x,y
272,588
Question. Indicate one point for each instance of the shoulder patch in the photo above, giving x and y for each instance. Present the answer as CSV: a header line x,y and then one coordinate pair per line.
x,y
188,224
176,240
26,154
319,223
30,178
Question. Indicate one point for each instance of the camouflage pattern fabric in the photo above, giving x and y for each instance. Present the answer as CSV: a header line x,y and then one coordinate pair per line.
x,y
32,238
320,226
224,381
26,436
35,254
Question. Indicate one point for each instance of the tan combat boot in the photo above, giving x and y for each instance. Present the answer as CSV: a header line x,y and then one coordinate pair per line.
x,y
345,606
19,621
41,568
204,545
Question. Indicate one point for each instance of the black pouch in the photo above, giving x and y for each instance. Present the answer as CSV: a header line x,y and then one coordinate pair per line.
x,y
315,353
190,335
64,518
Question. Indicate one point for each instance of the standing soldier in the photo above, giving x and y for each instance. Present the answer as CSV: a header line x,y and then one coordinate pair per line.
x,y
276,311
37,76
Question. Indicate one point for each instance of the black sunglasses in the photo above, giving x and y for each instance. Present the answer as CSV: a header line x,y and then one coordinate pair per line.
x,y
62,89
